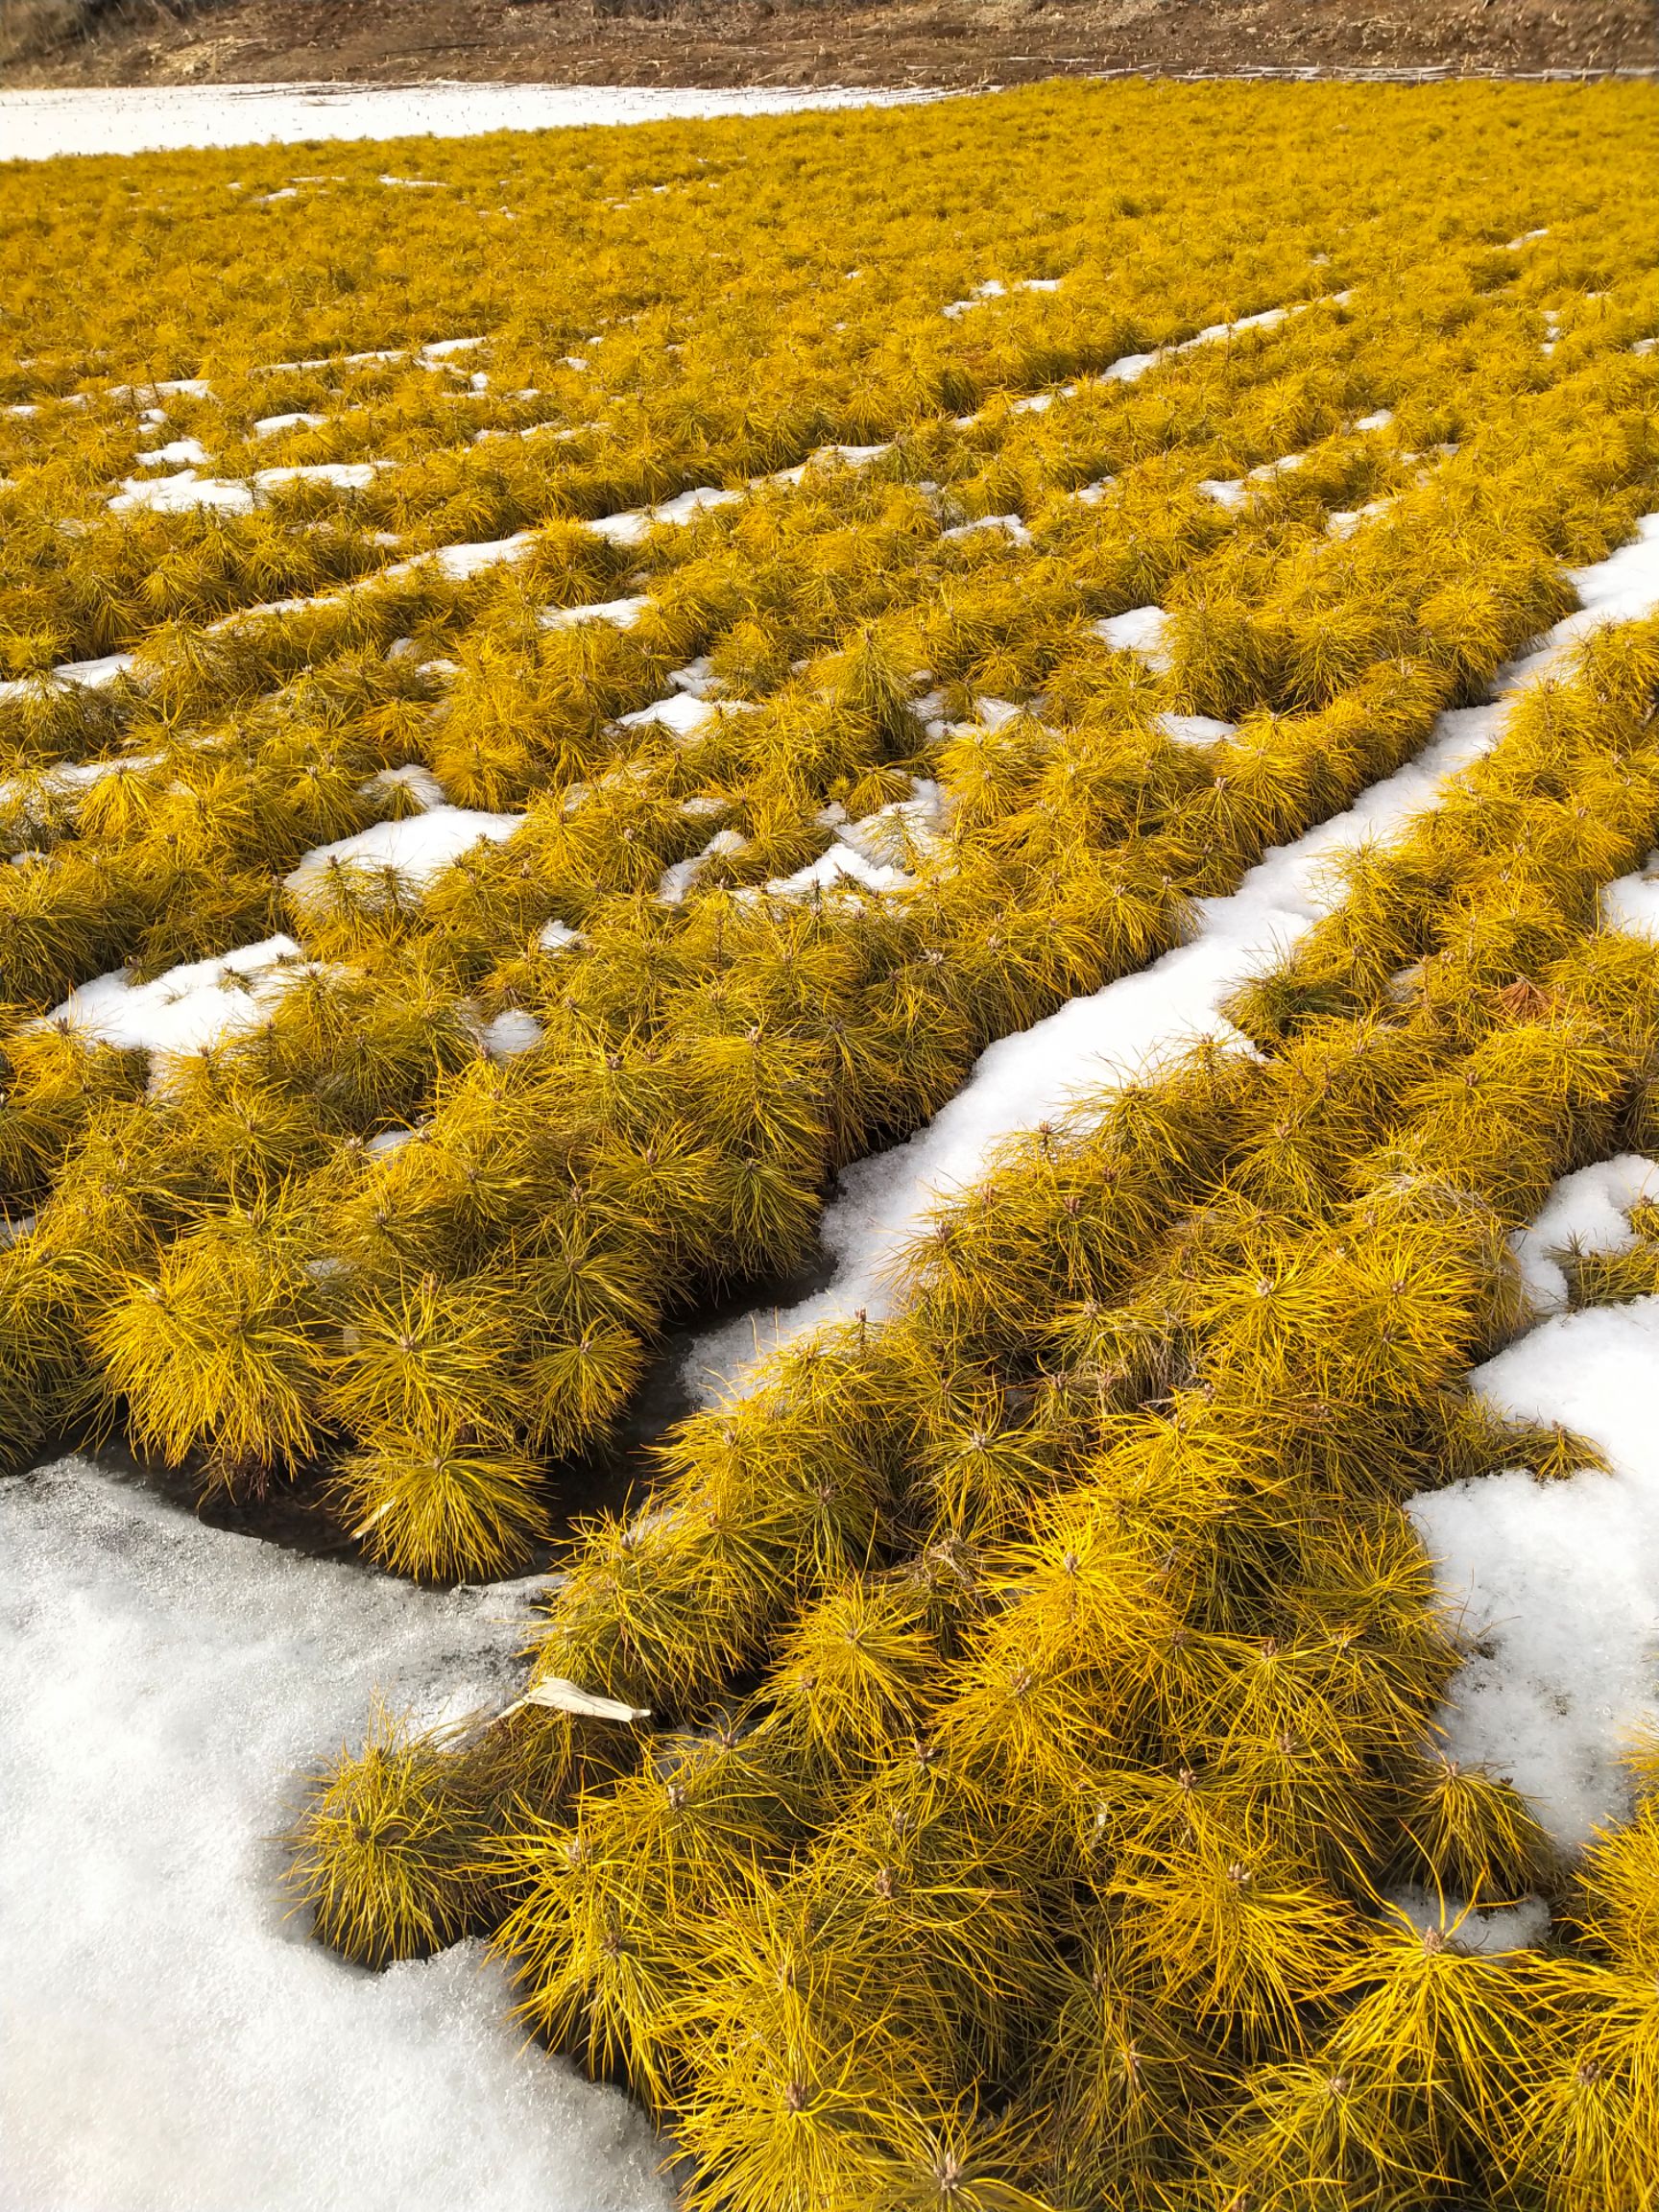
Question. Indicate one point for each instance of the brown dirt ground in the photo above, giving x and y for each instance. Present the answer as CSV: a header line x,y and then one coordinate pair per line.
x,y
952,43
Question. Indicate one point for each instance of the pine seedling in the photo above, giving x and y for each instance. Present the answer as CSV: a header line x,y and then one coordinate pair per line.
x,y
962,2159
54,1080
1062,1666
1618,1890
427,1359
660,1608
381,1851
1119,2088
443,1506
1236,1931
575,1384
798,2125
853,1675
1316,2135
600,1938
1450,2036
1467,1832
221,1348
982,1480
1583,2135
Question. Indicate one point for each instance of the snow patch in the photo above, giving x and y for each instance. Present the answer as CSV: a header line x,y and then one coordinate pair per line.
x,y
91,673
459,563
415,778
343,475
682,715
192,1006
1560,1580
178,495
1193,729
632,524
177,453
679,876
1587,1211
622,613
171,2039
1141,630
1631,902
419,847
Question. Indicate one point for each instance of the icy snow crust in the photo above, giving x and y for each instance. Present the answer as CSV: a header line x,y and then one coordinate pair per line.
x,y
119,119
171,2042
1140,1021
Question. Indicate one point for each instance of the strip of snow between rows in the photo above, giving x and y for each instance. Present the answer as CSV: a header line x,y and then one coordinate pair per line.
x,y
187,489
1142,1020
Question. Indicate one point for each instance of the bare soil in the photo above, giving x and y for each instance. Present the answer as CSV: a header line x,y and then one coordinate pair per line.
x,y
949,43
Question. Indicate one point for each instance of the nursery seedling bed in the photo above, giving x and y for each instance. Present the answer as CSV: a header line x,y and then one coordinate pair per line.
x,y
572,698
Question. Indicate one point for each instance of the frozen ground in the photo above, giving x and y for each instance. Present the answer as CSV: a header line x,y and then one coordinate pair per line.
x,y
168,2041
137,119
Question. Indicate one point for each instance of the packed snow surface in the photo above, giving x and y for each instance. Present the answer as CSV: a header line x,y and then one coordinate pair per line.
x,y
1560,1580
170,2041
124,119
1142,1021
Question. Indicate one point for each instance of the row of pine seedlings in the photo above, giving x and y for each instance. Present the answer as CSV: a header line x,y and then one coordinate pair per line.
x,y
237,1263
974,1777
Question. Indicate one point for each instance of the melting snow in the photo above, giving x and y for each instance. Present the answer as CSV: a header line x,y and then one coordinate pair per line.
x,y
177,495
1560,1580
1141,630
178,453
460,561
92,673
1586,1212
343,475
632,525
622,613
